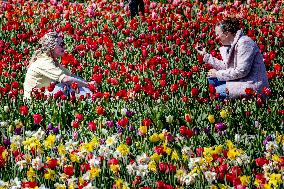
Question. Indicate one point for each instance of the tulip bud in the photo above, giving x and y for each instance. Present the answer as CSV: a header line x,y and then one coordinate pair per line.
x,y
92,126
220,126
6,109
188,118
211,118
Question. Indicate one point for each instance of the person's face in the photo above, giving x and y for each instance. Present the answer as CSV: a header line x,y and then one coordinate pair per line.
x,y
58,50
224,37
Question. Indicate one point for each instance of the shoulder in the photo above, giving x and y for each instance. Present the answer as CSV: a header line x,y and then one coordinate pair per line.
x,y
44,61
245,43
246,40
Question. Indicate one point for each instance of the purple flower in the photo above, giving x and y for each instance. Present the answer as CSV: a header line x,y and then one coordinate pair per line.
x,y
170,137
55,130
50,126
131,128
218,107
265,142
6,142
220,126
196,130
119,129
206,130
269,138
102,141
18,131
109,124
129,113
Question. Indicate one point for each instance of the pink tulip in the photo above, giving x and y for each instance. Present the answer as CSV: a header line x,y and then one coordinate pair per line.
x,y
154,15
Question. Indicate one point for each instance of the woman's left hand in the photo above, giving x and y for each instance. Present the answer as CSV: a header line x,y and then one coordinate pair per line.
x,y
212,73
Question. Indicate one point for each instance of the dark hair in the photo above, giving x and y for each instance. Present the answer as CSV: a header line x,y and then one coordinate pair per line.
x,y
230,25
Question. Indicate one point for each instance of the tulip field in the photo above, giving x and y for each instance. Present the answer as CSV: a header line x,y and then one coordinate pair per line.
x,y
153,121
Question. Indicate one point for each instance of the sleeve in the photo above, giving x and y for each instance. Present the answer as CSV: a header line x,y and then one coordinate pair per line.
x,y
50,70
245,56
65,70
214,62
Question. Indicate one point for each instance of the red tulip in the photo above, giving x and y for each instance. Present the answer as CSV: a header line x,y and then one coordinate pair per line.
x,y
194,92
277,67
212,89
249,91
74,85
236,170
75,123
188,118
37,119
100,110
261,161
84,167
68,170
199,151
189,133
79,117
123,122
92,126
266,91
24,110
146,122
183,130
52,163
128,141
113,161
29,184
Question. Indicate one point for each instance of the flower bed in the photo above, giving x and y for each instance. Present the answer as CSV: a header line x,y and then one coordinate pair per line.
x,y
154,122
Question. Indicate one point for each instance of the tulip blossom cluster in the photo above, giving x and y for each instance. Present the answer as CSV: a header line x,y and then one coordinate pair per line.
x,y
152,121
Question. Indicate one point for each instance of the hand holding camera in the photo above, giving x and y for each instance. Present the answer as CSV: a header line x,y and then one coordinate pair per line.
x,y
200,49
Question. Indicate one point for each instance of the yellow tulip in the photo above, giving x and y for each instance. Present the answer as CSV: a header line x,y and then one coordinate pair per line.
x,y
211,118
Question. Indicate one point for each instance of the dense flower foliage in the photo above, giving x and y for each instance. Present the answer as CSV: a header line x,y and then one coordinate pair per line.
x,y
153,122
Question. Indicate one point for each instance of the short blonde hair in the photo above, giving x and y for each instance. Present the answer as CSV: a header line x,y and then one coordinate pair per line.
x,y
49,41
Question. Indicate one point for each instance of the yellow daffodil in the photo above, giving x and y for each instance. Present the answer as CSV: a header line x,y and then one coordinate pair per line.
x,y
233,153
175,155
49,142
180,173
61,149
230,144
276,158
114,168
31,174
152,166
245,180
60,186
156,157
49,175
94,172
154,138
123,149
74,158
275,180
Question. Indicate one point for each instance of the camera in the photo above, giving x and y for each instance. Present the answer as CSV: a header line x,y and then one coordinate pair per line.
x,y
200,48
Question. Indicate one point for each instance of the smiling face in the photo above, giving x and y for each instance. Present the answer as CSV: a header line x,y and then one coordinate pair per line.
x,y
58,50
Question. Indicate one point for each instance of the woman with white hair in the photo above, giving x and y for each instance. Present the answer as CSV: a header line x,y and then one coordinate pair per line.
x,y
44,69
